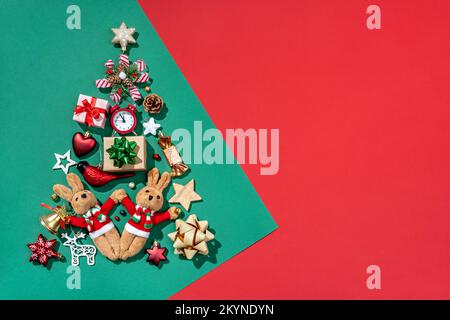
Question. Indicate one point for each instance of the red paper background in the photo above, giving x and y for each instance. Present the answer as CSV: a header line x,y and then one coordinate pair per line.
x,y
364,126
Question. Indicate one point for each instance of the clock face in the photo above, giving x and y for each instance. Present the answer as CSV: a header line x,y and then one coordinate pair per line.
x,y
123,121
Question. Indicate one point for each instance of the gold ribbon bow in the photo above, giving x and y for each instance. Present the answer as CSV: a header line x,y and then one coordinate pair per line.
x,y
191,237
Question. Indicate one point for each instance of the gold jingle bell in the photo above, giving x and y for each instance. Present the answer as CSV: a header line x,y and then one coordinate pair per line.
x,y
53,221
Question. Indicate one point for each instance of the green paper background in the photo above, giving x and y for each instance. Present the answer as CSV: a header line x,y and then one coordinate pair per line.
x,y
45,66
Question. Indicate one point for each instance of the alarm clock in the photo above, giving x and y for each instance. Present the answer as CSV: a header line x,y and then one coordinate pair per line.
x,y
123,120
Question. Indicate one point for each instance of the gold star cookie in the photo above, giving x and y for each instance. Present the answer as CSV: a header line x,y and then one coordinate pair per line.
x,y
184,195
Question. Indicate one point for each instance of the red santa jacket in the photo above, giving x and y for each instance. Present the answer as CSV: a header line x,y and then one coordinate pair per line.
x,y
142,219
96,220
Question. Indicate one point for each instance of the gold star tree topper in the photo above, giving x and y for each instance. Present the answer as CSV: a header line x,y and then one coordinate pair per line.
x,y
184,195
123,36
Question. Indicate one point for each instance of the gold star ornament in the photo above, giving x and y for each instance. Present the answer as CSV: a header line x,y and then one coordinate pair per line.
x,y
184,195
123,36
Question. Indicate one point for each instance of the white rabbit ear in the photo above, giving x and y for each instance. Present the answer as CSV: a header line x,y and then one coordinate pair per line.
x,y
164,181
63,192
74,182
152,177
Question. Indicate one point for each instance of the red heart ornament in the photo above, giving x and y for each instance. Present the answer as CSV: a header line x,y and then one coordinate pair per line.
x,y
83,143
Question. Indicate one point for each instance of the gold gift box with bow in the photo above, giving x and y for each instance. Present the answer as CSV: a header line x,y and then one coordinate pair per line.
x,y
140,161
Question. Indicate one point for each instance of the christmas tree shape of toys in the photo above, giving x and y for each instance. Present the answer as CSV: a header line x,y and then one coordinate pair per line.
x,y
122,155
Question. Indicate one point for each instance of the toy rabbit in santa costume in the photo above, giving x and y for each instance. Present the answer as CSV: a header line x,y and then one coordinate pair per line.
x,y
144,214
91,216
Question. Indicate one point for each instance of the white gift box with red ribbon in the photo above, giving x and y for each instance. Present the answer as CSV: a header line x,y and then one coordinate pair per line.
x,y
91,111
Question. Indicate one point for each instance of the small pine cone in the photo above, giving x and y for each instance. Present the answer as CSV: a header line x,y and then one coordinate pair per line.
x,y
153,103
114,79
121,68
127,82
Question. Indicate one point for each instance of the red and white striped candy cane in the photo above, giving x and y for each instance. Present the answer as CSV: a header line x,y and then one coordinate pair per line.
x,y
123,59
140,64
109,64
143,77
134,93
103,83
115,97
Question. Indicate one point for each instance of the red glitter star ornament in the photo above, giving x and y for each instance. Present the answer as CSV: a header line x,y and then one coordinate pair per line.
x,y
42,250
156,254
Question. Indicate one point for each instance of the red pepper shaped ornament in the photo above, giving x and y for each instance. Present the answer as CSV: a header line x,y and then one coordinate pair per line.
x,y
96,177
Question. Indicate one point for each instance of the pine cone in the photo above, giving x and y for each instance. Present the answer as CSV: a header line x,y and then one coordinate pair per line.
x,y
121,68
127,82
114,79
153,103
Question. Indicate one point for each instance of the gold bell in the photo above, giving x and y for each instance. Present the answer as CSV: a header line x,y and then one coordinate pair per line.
x,y
53,221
